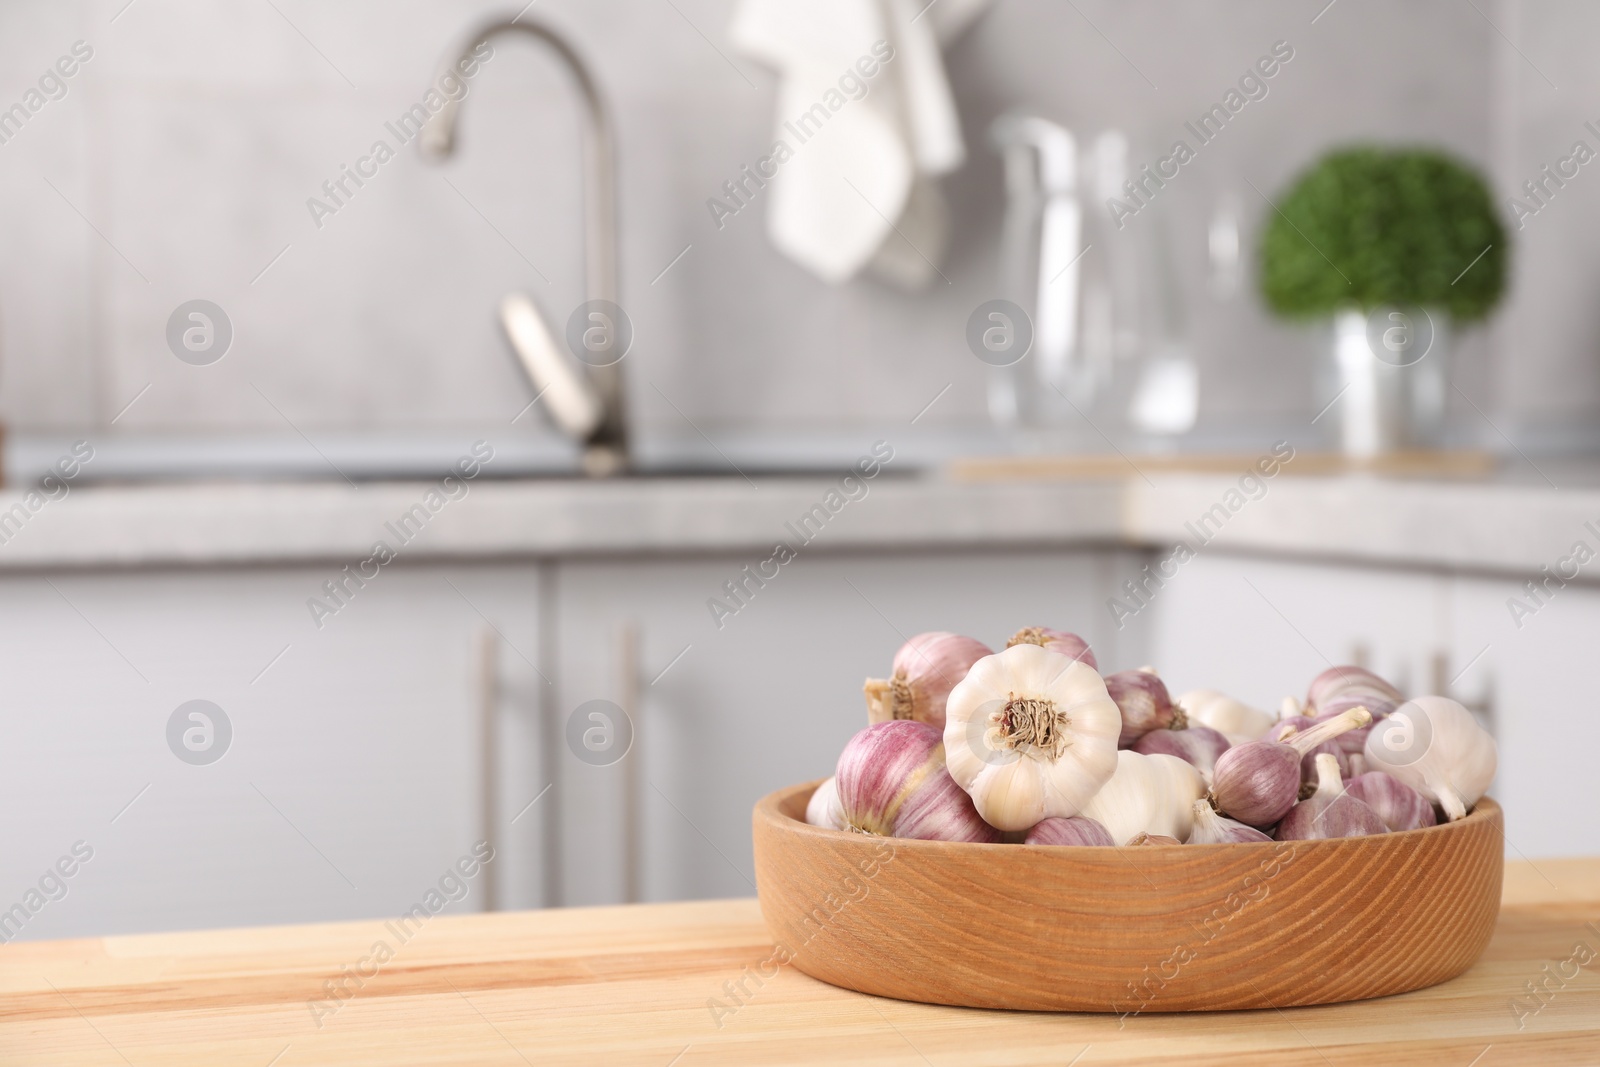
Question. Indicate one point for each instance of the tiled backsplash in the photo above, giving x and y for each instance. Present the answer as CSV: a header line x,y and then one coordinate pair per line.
x,y
179,162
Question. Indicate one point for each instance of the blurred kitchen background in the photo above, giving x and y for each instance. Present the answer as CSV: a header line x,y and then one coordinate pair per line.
x,y
366,748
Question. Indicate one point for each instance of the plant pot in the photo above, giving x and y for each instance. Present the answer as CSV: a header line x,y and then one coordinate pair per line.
x,y
1385,384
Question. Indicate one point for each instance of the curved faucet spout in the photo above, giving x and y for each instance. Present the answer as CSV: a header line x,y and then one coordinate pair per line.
x,y
607,444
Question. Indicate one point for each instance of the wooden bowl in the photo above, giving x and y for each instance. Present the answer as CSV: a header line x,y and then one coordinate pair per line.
x,y
1128,930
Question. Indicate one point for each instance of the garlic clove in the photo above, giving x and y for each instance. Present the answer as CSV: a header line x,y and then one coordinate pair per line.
x,y
1068,644
1236,721
1012,787
823,808
1397,804
1199,745
1077,830
892,781
1213,829
925,669
1259,781
1435,746
1141,840
1031,734
1330,811
1148,794
1144,703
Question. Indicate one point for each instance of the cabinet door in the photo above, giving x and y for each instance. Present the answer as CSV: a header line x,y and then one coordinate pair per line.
x,y
1260,629
348,778
1524,669
733,708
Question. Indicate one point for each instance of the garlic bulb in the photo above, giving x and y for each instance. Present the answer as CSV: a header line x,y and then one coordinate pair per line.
x,y
1436,747
1199,745
1068,644
1148,794
1338,688
892,781
1031,734
1213,829
823,807
1397,804
1259,781
1236,721
1074,831
1144,703
1330,811
926,668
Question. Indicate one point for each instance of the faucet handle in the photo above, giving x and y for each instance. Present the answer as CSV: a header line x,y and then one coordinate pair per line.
x,y
571,399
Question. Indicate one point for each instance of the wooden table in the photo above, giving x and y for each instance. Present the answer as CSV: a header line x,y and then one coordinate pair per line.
x,y
642,985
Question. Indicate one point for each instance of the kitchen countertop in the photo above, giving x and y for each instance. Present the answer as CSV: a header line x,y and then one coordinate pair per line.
x,y
635,985
1499,524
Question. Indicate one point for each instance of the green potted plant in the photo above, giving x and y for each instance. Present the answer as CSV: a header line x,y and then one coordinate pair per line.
x,y
1398,247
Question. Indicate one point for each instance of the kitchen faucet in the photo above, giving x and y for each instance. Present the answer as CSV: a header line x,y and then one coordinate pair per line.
x,y
586,400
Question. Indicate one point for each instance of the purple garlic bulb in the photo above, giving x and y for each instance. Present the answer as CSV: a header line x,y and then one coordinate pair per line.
x,y
892,781
1198,745
1144,702
1078,830
1330,811
1339,688
1068,644
925,669
1397,804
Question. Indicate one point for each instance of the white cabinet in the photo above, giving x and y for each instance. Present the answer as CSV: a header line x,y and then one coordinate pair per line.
x,y
1547,726
729,714
1261,628
351,780
355,773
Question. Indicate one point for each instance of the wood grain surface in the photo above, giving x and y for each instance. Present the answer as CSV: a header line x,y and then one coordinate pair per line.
x,y
659,986
1120,930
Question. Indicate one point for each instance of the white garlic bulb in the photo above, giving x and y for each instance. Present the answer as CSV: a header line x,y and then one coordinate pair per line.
x,y
1148,794
1031,734
1236,721
1435,746
823,809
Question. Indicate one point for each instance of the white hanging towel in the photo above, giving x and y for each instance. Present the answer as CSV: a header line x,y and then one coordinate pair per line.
x,y
858,185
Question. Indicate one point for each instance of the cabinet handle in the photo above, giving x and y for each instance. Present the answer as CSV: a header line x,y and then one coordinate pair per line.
x,y
488,686
632,767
